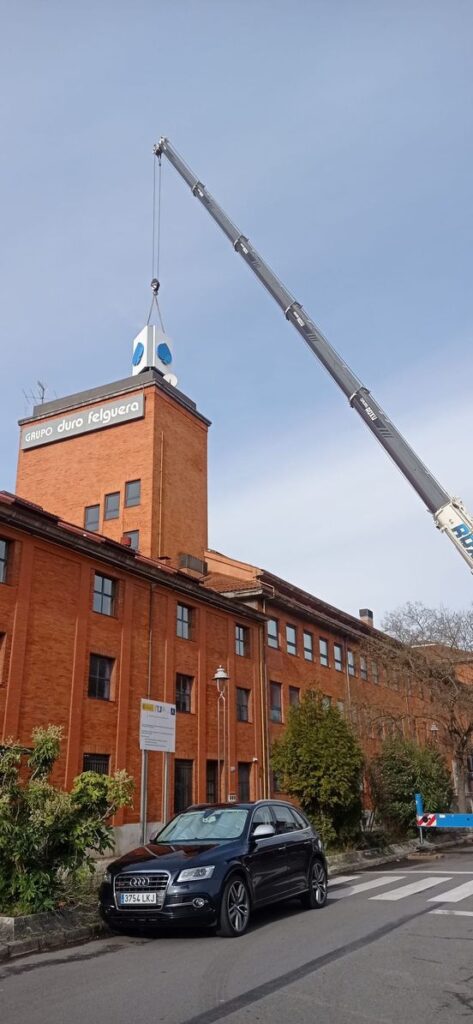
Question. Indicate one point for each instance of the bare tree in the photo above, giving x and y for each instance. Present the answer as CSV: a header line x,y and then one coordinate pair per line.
x,y
426,659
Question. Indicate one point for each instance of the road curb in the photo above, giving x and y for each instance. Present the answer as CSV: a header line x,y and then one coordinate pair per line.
x,y
339,863
53,940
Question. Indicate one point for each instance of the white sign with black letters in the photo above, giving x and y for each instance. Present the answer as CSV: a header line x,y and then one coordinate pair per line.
x,y
157,725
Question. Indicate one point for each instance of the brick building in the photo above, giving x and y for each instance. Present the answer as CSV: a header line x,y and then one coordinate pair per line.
x,y
109,593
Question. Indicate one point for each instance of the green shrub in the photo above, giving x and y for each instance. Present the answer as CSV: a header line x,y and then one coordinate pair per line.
x,y
320,763
401,770
47,836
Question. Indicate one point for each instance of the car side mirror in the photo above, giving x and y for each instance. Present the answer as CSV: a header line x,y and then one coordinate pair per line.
x,y
263,832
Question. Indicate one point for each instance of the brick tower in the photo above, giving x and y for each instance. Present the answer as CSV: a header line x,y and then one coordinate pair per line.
x,y
126,459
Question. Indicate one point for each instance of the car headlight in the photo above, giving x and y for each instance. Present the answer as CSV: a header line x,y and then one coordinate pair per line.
x,y
107,876
196,874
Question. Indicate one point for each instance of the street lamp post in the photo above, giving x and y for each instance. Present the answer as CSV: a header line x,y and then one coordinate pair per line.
x,y
221,678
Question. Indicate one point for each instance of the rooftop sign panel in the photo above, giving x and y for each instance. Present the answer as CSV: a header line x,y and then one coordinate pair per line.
x,y
83,421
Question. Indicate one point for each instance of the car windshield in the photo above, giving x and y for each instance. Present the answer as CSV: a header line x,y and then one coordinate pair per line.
x,y
205,826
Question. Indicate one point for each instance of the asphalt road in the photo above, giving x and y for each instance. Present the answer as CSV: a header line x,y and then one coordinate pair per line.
x,y
393,944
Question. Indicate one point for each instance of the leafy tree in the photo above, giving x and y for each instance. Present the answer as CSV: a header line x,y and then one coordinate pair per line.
x,y
320,763
427,653
48,836
401,770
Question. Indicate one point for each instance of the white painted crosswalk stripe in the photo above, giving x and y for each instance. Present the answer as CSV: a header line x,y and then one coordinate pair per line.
x,y
412,888
340,879
461,892
454,913
374,883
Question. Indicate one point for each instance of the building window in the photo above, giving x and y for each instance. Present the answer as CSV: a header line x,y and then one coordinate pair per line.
x,y
183,771
104,595
294,696
326,703
212,782
3,646
242,704
242,641
363,667
276,786
308,647
272,632
184,622
351,663
132,493
99,763
338,656
323,652
275,709
374,672
92,518
112,505
184,693
134,538
291,639
100,675
4,546
244,770
341,707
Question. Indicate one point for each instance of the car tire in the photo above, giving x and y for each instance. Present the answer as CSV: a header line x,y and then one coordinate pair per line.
x,y
235,908
316,896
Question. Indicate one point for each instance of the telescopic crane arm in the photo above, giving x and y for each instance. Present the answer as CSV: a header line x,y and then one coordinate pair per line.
x,y
449,514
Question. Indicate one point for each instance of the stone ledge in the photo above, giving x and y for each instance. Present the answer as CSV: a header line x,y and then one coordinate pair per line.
x,y
52,939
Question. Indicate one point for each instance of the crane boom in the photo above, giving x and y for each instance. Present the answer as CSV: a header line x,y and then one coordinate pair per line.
x,y
449,513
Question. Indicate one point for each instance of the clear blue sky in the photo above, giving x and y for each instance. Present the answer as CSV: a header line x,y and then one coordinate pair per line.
x,y
339,137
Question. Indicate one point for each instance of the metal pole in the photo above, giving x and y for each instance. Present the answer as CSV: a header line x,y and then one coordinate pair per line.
x,y
166,787
143,795
218,749
225,768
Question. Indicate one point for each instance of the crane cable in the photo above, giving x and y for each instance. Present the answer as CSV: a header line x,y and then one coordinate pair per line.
x,y
156,243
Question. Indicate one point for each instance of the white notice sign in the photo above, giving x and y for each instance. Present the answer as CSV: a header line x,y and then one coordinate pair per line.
x,y
157,725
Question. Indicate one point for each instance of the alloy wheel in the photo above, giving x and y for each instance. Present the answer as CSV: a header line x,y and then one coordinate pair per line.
x,y
319,883
238,906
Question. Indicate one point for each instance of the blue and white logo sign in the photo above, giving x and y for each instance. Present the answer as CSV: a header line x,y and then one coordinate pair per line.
x,y
151,349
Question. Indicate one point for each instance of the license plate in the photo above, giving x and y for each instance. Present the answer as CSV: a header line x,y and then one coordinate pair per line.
x,y
133,898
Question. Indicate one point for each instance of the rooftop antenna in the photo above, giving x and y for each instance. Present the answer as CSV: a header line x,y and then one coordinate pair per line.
x,y
32,397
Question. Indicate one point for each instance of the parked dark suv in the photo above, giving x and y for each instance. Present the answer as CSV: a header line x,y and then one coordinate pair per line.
x,y
213,865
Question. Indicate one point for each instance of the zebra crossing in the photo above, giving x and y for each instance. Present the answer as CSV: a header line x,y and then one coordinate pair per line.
x,y
453,890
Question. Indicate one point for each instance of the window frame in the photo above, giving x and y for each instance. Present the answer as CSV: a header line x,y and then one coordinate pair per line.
x,y
351,664
374,672
308,651
289,643
338,662
241,705
187,696
275,710
294,690
131,534
4,560
242,640
187,624
107,680
272,639
106,757
102,596
132,503
92,529
323,652
363,667
114,514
